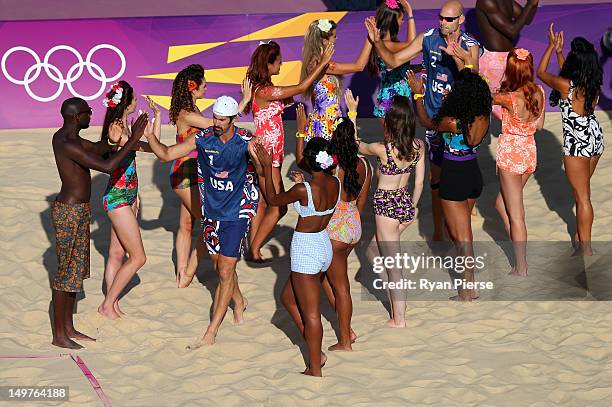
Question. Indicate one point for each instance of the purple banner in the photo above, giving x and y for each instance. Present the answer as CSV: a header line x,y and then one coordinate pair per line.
x,y
45,62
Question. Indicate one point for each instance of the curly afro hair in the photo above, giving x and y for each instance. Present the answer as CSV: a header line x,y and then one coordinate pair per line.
x,y
470,97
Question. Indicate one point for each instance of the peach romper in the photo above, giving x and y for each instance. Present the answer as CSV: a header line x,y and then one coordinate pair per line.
x,y
516,149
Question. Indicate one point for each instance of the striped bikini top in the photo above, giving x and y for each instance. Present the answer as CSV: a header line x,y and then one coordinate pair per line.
x,y
391,168
309,210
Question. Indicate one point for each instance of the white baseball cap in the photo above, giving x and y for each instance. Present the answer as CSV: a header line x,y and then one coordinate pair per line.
x,y
225,106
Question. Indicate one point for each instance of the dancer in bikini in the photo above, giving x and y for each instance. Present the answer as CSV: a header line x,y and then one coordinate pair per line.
x,y
344,228
440,66
398,156
325,93
389,19
268,102
576,90
71,212
189,86
229,196
523,113
311,249
463,120
500,22
120,200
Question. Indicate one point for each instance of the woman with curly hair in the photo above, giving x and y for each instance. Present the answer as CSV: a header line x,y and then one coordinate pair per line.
x,y
576,90
463,120
311,251
344,228
400,154
267,103
325,93
189,85
522,102
120,200
389,20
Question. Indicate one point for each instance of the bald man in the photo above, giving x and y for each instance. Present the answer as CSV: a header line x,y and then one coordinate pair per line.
x,y
440,66
500,23
70,212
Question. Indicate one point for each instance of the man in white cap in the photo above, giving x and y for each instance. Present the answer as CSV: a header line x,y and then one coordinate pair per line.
x,y
229,195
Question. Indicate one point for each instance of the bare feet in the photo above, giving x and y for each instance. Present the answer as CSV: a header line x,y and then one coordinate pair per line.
x,y
391,323
518,272
117,309
108,311
183,279
353,336
462,297
80,336
340,347
317,373
207,340
239,309
66,343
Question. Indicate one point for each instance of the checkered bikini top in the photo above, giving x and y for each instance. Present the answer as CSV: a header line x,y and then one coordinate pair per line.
x,y
309,210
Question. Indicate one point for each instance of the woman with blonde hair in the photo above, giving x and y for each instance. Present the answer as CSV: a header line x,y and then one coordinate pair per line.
x,y
325,92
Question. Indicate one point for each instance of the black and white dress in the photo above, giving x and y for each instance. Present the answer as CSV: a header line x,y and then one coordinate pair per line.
x,y
582,135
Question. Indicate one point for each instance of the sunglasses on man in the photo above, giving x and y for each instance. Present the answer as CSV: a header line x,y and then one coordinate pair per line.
x,y
448,19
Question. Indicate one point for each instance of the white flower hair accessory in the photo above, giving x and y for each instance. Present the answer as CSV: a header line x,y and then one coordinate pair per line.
x,y
324,25
265,42
324,159
117,91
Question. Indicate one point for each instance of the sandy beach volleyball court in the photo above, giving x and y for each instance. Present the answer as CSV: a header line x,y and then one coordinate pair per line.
x,y
490,353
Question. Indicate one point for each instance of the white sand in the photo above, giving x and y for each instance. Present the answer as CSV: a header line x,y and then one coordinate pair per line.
x,y
486,353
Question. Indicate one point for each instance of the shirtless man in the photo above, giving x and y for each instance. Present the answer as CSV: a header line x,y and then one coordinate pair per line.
x,y
441,63
500,23
70,212
229,196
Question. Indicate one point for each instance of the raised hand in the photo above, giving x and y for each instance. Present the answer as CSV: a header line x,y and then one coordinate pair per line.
x,y
301,119
139,126
552,36
461,52
559,42
297,176
115,131
246,89
265,159
451,41
351,102
152,105
407,7
415,84
373,31
327,53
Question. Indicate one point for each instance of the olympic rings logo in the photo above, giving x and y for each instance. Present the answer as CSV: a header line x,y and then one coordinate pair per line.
x,y
53,72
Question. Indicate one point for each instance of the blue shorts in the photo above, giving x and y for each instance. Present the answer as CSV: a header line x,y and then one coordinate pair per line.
x,y
435,146
225,237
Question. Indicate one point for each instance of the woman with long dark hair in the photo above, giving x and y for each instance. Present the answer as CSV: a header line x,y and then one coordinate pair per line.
x,y
311,250
267,104
120,199
389,20
400,154
463,120
522,102
190,85
576,90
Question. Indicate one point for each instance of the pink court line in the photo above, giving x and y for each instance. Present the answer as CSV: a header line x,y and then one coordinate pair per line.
x,y
80,363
